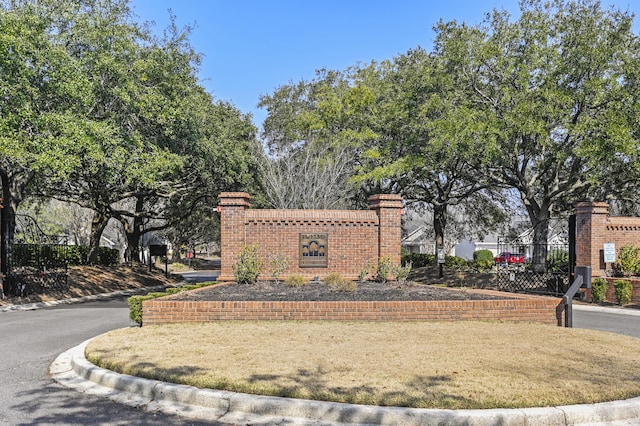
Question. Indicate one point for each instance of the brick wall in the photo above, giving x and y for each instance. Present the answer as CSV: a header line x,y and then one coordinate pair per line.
x,y
516,308
354,237
594,228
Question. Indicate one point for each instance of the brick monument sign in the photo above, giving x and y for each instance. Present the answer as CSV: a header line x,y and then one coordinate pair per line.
x,y
316,242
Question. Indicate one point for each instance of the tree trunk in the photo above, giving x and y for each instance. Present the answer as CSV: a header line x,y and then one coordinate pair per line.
x,y
439,225
539,217
12,193
98,223
134,232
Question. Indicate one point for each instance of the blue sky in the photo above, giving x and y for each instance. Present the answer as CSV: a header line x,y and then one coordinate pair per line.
x,y
251,47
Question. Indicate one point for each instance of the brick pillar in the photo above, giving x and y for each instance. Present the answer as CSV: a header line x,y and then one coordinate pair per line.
x,y
388,207
591,222
232,208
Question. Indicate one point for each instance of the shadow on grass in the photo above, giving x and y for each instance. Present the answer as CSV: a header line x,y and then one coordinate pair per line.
x,y
419,392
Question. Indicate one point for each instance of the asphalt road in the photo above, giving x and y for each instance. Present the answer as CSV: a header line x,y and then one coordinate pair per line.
x,y
627,323
32,339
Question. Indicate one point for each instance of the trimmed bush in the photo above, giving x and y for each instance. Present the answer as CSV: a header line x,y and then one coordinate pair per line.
x,y
623,289
135,302
482,260
484,254
248,267
419,260
599,290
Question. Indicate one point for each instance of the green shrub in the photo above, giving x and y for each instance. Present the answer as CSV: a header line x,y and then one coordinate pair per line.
x,y
483,254
623,290
599,290
135,305
455,262
482,260
558,260
418,260
336,282
295,280
248,267
385,267
278,264
401,273
628,260
365,271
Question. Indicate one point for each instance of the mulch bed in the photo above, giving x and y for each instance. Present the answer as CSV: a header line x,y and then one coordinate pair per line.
x,y
318,291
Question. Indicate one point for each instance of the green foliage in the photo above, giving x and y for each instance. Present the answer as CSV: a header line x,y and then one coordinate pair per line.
x,y
338,283
135,305
623,289
295,280
599,290
401,273
248,267
455,263
482,260
135,302
418,260
385,268
558,260
629,260
278,264
483,255
365,271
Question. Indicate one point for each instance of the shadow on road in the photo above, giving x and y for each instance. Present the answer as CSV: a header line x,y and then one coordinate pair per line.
x,y
53,405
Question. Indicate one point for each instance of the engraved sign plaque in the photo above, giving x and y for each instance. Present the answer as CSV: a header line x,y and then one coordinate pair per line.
x,y
314,250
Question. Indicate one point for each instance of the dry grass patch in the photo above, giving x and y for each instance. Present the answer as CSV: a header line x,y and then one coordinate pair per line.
x,y
457,365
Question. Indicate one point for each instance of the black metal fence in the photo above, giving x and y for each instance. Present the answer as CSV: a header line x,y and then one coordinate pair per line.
x,y
37,262
530,268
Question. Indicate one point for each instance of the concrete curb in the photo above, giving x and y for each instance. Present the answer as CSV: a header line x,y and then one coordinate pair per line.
x,y
72,369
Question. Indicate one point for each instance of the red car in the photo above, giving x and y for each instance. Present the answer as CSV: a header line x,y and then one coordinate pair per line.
x,y
510,258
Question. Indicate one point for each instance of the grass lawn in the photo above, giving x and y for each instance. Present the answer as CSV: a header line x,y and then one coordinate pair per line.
x,y
457,365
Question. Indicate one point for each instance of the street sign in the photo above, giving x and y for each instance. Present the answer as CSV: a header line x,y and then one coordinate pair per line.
x,y
609,253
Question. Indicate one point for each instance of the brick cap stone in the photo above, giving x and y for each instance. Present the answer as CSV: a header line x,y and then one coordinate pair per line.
x,y
228,199
590,207
385,201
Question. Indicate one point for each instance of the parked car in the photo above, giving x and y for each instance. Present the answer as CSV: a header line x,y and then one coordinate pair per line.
x,y
510,258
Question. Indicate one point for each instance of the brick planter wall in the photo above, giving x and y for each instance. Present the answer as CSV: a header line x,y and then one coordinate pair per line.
x,y
355,237
518,308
